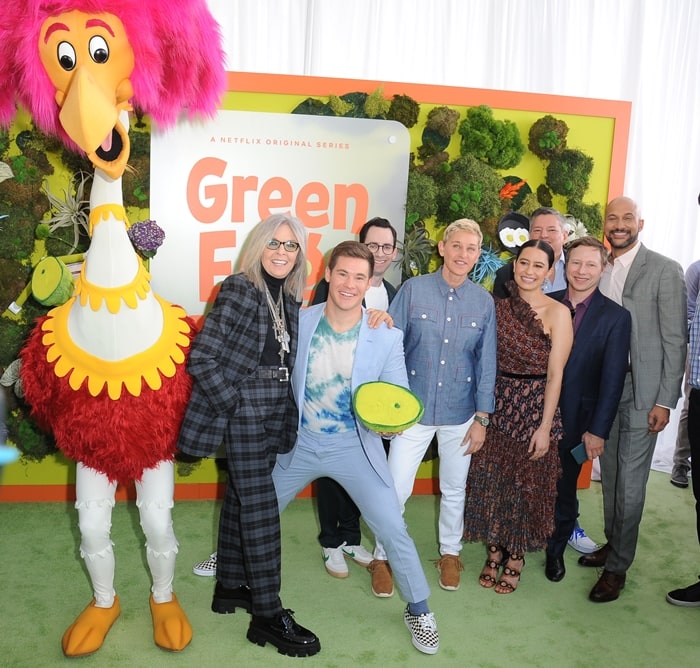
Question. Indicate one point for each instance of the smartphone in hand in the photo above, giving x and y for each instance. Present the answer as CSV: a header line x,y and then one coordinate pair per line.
x,y
579,453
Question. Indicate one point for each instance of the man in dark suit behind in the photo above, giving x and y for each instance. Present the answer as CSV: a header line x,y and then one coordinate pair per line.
x,y
593,381
652,288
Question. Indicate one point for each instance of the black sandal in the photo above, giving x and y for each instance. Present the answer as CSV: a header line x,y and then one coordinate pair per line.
x,y
510,572
487,578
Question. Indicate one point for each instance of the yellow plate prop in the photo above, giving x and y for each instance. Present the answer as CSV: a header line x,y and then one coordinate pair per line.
x,y
386,408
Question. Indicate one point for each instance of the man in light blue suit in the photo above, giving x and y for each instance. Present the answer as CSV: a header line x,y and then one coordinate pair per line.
x,y
337,352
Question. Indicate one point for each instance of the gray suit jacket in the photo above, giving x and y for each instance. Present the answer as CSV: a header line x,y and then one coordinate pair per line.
x,y
655,295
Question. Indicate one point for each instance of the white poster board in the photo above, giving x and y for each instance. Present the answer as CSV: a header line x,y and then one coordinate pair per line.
x,y
211,182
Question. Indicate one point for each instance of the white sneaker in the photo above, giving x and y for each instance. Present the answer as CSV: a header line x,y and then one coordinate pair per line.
x,y
334,561
424,633
581,542
206,568
358,554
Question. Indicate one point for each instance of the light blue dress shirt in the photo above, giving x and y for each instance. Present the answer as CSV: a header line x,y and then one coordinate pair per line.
x,y
450,346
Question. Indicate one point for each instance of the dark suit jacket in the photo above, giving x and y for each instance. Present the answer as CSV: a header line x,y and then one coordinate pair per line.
x,y
321,292
224,354
595,371
503,275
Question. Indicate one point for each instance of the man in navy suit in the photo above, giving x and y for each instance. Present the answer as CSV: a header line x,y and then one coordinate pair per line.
x,y
593,380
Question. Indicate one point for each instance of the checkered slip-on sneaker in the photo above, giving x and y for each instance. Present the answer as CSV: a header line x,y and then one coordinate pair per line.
x,y
206,568
424,633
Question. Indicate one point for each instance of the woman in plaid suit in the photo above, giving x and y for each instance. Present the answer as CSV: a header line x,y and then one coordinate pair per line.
x,y
240,363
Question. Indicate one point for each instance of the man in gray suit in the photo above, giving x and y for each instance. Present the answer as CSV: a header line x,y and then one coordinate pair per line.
x,y
652,288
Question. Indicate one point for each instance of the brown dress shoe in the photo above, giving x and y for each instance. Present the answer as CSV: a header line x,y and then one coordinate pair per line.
x,y
595,559
382,583
608,587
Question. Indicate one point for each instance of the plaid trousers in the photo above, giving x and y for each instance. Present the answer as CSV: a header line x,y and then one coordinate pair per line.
x,y
249,546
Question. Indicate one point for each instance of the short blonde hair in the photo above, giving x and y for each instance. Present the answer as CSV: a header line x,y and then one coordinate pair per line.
x,y
464,225
255,243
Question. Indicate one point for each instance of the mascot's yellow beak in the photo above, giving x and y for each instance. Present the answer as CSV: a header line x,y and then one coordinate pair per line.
x,y
89,60
91,120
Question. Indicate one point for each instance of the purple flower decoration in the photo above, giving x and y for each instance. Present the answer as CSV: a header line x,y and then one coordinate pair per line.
x,y
146,237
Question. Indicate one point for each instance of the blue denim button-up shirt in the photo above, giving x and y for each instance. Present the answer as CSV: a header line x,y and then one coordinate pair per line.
x,y
450,346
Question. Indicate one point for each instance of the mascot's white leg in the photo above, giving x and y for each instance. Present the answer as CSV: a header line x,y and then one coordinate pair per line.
x,y
154,498
94,502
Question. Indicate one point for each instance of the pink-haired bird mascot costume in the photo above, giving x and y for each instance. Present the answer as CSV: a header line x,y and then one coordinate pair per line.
x,y
106,370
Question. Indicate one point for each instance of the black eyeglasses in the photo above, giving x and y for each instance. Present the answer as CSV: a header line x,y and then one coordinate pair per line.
x,y
289,246
386,248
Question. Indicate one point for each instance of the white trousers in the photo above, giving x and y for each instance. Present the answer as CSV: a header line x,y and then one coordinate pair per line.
x,y
405,455
95,496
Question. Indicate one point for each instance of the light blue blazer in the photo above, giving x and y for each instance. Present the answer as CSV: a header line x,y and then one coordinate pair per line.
x,y
378,356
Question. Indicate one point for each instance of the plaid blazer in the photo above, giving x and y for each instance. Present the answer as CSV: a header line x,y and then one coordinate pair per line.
x,y
225,353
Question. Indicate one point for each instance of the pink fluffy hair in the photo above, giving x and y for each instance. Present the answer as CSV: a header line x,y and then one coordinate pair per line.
x,y
179,60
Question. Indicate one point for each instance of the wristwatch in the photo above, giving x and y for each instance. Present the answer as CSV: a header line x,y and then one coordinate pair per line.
x,y
483,421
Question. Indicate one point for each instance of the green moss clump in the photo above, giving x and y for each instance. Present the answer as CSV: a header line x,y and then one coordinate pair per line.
x,y
544,195
403,109
547,137
376,106
468,188
497,143
568,174
529,204
313,107
440,125
356,101
589,214
421,196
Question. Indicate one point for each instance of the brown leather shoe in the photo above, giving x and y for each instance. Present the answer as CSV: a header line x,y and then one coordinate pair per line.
x,y
595,559
608,587
382,583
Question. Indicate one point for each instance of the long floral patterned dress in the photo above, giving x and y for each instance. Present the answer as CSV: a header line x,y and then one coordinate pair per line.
x,y
510,498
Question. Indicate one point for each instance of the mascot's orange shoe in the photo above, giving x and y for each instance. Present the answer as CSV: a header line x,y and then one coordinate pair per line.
x,y
87,633
171,628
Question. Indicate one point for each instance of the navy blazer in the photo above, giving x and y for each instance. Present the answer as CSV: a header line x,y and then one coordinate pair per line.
x,y
595,371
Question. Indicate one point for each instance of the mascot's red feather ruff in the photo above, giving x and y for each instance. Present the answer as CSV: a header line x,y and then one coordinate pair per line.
x,y
106,370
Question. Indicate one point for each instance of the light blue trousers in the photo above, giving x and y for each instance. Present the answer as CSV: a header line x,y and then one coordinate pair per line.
x,y
341,457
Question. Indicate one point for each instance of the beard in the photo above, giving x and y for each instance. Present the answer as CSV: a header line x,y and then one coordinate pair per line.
x,y
622,243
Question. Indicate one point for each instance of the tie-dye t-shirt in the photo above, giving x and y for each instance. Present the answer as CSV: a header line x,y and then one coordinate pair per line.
x,y
328,398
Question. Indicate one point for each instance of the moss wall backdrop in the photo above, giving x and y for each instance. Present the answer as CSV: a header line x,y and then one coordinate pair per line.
x,y
474,153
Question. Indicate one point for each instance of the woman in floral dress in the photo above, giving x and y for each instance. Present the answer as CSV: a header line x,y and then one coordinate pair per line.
x,y
511,486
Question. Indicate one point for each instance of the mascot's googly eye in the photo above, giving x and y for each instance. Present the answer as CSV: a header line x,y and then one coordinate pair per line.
x,y
66,56
99,50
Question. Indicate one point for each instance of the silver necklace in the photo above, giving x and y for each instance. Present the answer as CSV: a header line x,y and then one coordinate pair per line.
x,y
279,323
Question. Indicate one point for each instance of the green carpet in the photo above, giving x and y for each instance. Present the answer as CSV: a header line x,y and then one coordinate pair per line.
x,y
43,586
